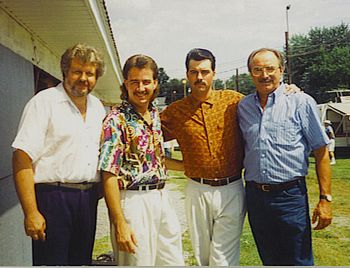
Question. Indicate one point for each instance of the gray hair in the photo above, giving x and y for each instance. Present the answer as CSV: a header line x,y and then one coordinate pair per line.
x,y
277,53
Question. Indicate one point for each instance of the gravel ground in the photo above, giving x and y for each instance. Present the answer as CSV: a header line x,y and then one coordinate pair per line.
x,y
177,199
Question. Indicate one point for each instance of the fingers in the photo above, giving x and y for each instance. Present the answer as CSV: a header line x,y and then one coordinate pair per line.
x,y
322,224
37,235
129,244
42,235
133,238
36,230
322,220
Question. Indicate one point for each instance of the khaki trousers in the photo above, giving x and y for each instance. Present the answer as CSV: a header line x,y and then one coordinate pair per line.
x,y
215,216
157,229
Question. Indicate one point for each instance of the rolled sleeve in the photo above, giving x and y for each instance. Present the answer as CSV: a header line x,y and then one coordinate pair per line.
x,y
32,129
311,124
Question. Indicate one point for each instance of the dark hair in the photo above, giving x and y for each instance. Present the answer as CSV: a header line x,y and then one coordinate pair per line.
x,y
141,62
200,54
85,54
277,53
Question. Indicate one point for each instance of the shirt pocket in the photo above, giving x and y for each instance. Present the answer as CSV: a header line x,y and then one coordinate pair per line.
x,y
283,133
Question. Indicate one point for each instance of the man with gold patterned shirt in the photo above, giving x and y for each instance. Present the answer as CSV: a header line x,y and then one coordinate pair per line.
x,y
205,126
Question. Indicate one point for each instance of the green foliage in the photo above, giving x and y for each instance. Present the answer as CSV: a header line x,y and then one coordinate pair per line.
x,y
245,83
330,246
219,84
320,61
163,80
172,89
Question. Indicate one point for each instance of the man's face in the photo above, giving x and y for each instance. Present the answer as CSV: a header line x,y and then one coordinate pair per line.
x,y
200,76
266,72
80,78
140,86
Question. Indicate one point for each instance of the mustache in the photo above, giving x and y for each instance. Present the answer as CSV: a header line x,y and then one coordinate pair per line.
x,y
199,82
265,80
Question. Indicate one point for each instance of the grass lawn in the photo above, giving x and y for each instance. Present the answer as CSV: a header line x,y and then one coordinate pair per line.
x,y
331,246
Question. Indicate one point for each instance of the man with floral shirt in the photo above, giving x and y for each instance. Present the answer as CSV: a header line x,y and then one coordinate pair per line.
x,y
145,228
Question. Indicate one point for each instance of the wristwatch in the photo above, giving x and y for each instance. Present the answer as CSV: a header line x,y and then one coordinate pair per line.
x,y
327,197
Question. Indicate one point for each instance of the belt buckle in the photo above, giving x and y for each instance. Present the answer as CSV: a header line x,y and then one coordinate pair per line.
x,y
265,188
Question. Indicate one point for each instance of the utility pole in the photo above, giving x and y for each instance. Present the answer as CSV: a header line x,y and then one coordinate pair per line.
x,y
289,68
237,82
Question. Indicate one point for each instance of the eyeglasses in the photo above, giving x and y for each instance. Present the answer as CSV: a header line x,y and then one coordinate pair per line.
x,y
269,70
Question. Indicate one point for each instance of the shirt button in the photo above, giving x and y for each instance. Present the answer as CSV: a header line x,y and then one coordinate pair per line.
x,y
263,155
264,171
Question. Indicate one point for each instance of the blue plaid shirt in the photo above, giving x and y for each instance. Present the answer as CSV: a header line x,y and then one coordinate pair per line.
x,y
278,140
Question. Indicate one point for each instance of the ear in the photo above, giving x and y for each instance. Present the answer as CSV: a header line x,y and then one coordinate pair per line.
x,y
282,69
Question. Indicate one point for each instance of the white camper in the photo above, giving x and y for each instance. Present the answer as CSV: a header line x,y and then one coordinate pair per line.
x,y
339,114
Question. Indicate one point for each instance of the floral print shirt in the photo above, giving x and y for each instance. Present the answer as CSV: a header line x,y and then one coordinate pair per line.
x,y
131,148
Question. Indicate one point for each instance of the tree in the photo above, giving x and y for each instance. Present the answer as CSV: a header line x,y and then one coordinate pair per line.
x,y
163,81
219,84
245,83
175,91
321,60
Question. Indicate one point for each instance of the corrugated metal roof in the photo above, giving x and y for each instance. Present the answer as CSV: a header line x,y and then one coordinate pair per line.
x,y
59,24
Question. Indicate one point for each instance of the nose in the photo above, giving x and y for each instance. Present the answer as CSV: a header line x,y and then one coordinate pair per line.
x,y
199,76
141,86
83,76
264,73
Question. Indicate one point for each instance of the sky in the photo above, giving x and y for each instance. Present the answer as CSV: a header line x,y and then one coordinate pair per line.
x,y
167,29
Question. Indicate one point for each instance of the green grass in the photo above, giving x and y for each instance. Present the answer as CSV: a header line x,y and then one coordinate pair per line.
x,y
102,246
331,245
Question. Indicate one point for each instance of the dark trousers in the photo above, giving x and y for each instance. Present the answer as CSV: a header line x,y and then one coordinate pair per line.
x,y
280,225
70,216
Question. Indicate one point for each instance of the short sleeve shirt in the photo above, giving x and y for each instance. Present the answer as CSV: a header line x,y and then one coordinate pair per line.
x,y
63,147
207,133
132,149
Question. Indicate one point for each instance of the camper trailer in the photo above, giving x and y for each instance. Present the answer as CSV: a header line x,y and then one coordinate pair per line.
x,y
338,112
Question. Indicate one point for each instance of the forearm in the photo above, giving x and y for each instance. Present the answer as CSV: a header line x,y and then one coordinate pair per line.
x,y
24,181
323,170
174,164
112,197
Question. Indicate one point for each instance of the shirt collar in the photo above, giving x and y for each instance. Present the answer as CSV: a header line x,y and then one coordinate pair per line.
x,y
210,100
275,95
128,106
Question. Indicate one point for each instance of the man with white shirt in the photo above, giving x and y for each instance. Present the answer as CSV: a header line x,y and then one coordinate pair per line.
x,y
55,162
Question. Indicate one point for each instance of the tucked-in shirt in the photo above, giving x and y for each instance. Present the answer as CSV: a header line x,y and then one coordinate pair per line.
x,y
279,139
63,147
131,149
207,133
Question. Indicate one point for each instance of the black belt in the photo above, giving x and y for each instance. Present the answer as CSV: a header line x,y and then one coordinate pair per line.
x,y
146,187
278,187
217,181
80,185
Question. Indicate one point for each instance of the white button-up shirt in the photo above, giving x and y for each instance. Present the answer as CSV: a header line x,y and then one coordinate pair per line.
x,y
62,146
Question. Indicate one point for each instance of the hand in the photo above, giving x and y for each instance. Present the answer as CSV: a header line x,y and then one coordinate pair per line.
x,y
322,215
291,89
126,238
35,226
